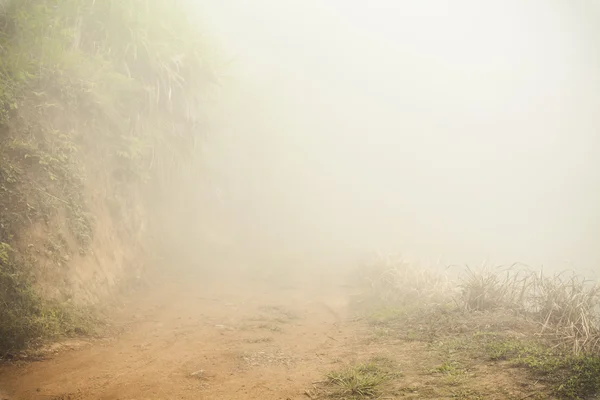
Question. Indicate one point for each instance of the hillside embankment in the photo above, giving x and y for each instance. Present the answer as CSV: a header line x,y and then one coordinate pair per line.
x,y
100,118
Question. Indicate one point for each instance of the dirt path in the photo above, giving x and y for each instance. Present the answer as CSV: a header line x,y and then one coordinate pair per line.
x,y
215,339
254,338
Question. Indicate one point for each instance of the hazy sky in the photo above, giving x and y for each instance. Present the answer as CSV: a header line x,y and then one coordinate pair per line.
x,y
466,129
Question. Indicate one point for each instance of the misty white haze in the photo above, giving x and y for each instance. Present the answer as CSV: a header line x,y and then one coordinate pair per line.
x,y
452,132
190,190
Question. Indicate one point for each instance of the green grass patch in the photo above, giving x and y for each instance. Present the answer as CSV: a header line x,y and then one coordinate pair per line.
x,y
571,376
564,374
364,380
27,319
450,367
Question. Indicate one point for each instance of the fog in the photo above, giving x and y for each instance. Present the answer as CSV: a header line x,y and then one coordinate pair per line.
x,y
453,132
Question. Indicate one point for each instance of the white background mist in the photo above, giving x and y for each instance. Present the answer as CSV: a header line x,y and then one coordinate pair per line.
x,y
458,131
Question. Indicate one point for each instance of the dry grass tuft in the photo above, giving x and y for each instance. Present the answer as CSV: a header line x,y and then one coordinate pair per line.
x,y
364,380
393,280
492,288
565,307
569,308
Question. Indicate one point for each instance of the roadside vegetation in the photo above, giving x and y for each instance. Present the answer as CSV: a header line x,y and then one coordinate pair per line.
x,y
509,333
102,94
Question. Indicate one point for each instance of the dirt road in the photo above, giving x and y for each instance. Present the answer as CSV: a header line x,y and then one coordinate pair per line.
x,y
204,339
258,336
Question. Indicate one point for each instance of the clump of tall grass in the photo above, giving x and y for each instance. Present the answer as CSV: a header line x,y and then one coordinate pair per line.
x,y
568,307
393,279
489,288
565,307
